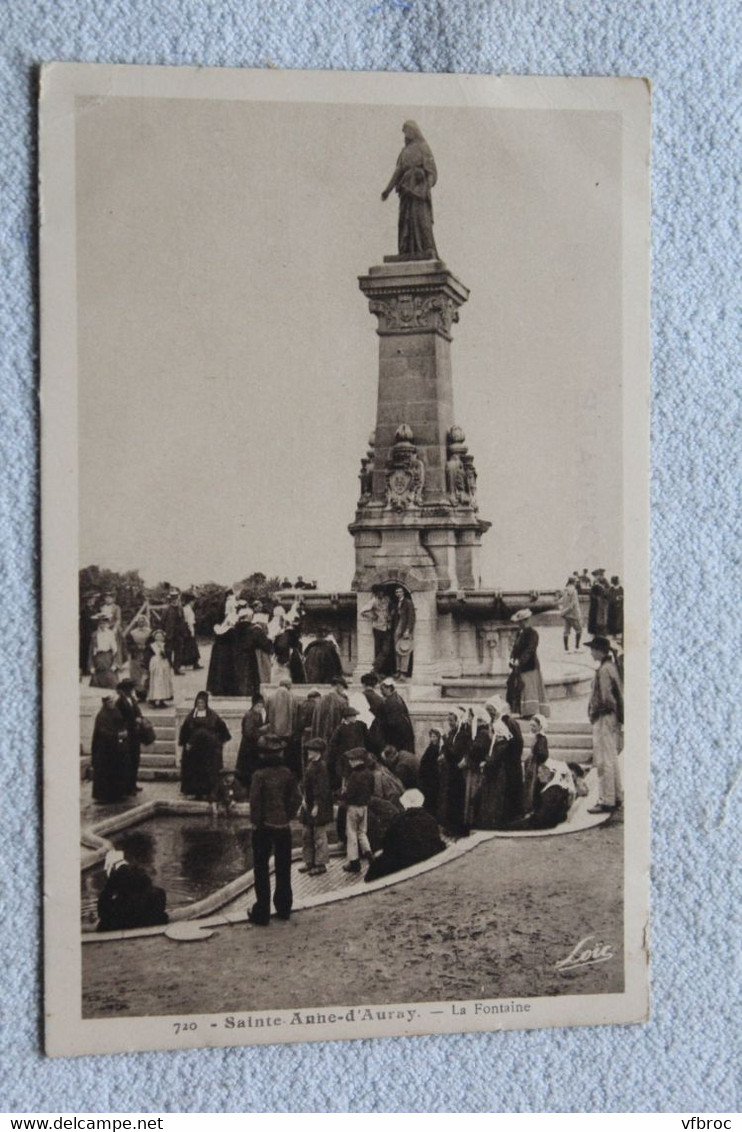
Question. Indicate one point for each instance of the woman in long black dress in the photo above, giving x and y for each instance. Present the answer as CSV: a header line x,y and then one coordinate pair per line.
x,y
502,786
475,759
221,679
254,725
451,780
429,771
539,753
322,660
202,738
110,754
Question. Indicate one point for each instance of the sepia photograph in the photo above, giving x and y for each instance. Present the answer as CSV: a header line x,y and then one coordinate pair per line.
x,y
344,554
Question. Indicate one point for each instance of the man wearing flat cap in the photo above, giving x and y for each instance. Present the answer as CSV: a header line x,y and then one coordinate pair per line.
x,y
274,803
351,732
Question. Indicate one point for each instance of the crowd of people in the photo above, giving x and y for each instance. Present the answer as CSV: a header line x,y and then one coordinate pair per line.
x,y
343,760
605,612
158,643
254,645
391,612
353,767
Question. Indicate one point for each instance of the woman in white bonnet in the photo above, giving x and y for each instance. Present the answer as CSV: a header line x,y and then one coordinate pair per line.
x,y
502,800
129,899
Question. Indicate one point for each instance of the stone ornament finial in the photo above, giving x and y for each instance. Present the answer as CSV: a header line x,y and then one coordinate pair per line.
x,y
461,475
366,474
405,472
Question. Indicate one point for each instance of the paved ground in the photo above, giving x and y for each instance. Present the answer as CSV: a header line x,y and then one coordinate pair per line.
x,y
491,924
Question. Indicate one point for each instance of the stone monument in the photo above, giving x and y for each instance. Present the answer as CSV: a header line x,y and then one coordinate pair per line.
x,y
417,524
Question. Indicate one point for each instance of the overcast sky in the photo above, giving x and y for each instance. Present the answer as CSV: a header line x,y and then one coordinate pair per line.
x,y
228,361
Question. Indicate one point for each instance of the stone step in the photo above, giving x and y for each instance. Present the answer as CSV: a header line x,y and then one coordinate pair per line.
x,y
571,755
160,747
559,727
161,774
157,760
581,742
163,731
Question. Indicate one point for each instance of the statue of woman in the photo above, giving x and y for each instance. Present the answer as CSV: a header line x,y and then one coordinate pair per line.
x,y
413,179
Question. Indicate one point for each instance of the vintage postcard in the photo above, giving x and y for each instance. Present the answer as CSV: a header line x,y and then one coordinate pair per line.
x,y
345,554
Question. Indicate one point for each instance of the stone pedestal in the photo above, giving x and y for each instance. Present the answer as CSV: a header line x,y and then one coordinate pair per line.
x,y
417,519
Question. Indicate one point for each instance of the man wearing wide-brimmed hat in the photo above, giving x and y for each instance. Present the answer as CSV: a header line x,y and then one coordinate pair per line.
x,y
605,712
274,803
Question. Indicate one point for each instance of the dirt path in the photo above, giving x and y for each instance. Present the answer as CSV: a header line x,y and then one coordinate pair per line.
x,y
491,924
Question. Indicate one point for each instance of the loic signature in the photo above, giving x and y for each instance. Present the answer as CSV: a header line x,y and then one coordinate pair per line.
x,y
585,954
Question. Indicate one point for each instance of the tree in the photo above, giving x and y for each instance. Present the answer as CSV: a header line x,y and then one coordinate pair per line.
x,y
128,587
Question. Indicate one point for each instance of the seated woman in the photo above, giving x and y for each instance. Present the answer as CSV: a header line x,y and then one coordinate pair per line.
x,y
556,795
129,899
412,836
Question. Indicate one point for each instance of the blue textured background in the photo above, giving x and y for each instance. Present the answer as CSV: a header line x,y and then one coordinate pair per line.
x,y
685,1058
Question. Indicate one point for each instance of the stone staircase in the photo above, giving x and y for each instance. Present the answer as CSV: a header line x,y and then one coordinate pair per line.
x,y
158,761
572,742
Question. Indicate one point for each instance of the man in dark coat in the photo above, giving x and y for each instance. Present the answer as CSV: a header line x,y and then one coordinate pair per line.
x,y
404,630
174,626
316,811
597,621
304,716
404,765
329,709
369,687
351,732
131,713
394,720
274,803
615,608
